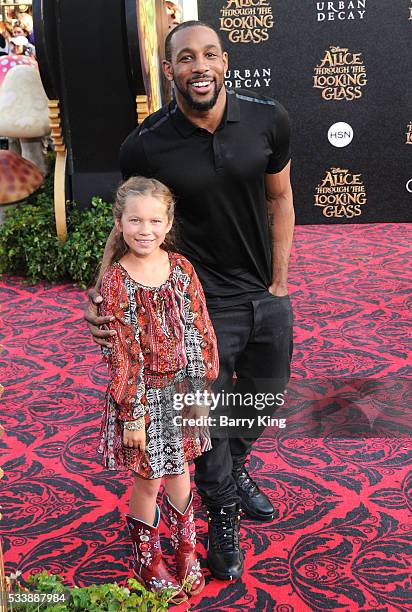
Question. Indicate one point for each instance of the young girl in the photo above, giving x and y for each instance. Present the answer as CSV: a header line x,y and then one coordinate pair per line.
x,y
164,343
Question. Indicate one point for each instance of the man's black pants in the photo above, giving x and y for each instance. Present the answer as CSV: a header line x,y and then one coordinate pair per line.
x,y
255,341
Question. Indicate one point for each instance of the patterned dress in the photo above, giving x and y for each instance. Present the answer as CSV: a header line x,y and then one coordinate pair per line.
x,y
165,344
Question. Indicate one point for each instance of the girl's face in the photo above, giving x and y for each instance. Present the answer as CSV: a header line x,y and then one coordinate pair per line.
x,y
144,224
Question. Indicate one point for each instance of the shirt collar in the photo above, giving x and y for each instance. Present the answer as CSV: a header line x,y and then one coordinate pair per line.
x,y
232,106
187,128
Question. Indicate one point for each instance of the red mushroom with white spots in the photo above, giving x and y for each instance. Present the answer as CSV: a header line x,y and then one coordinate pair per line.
x,y
7,62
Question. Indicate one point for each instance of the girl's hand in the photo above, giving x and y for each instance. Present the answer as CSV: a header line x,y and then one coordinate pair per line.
x,y
135,439
196,411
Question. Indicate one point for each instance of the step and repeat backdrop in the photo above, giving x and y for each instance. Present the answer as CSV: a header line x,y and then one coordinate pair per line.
x,y
342,69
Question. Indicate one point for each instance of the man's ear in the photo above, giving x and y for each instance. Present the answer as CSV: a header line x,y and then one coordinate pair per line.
x,y
225,58
167,70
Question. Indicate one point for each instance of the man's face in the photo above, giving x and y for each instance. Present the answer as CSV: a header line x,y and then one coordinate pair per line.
x,y
197,67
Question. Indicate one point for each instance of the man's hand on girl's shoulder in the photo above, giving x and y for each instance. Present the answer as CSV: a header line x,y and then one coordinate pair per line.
x,y
95,322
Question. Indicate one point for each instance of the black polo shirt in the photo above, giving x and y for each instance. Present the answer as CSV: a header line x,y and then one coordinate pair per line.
x,y
218,181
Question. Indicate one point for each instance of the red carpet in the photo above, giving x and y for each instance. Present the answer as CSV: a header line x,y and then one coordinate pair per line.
x,y
338,473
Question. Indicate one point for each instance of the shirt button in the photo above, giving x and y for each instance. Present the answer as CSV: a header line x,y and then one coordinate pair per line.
x,y
203,344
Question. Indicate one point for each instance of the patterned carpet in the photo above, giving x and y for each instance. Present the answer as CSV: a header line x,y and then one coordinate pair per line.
x,y
339,473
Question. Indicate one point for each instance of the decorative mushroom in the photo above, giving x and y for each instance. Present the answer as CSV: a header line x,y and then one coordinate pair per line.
x,y
23,104
7,62
18,177
24,113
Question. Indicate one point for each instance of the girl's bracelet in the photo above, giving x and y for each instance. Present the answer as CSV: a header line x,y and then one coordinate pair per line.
x,y
136,425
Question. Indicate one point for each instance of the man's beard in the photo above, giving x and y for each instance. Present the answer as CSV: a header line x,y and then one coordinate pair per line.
x,y
200,106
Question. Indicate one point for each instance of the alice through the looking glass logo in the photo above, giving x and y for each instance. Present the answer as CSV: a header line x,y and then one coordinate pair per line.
x,y
247,21
341,194
340,75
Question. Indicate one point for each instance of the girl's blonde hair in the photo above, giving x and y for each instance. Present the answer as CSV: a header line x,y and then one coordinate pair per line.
x,y
135,186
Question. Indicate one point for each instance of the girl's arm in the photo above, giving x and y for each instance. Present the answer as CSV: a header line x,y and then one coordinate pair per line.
x,y
125,357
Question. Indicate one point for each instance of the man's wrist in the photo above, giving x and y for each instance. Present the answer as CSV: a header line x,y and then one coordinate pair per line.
x,y
279,288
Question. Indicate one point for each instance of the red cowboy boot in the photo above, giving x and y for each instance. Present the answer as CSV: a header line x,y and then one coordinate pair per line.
x,y
148,565
183,539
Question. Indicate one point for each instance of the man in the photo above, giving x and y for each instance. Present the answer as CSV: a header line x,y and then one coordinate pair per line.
x,y
225,155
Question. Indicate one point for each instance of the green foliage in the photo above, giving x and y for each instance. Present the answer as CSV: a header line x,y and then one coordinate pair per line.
x,y
87,234
28,242
95,598
29,246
